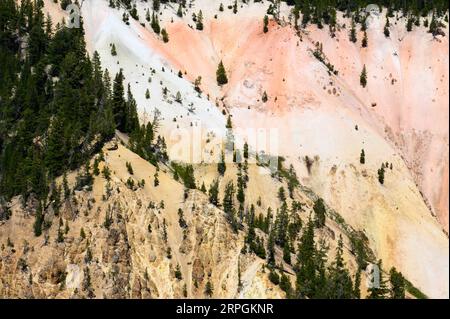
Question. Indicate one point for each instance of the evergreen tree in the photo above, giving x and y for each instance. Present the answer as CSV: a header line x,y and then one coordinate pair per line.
x,y
381,174
319,211
386,28
306,274
362,157
353,32
209,290
363,77
214,193
221,166
118,102
155,23
340,282
228,205
199,24
156,5
397,284
365,40
221,75
266,24
165,35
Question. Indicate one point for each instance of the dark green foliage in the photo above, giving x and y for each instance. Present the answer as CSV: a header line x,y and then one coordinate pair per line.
x,y
274,277
178,274
285,284
56,125
186,173
386,30
306,263
39,219
155,23
228,205
221,75
321,12
221,166
397,284
209,290
319,211
156,179
214,193
165,35
266,24
246,150
381,172
365,40
340,283
363,77
142,142
181,220
362,157
287,253
271,248
199,22
129,168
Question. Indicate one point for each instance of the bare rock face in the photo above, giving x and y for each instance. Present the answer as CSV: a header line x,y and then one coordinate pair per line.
x,y
123,247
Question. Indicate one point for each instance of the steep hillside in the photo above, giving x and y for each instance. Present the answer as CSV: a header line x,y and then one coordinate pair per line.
x,y
314,112
128,242
117,239
293,93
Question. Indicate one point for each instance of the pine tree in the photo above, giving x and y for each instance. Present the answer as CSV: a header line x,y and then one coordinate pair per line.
x,y
353,33
287,253
209,290
365,40
341,286
199,24
118,102
221,75
363,77
397,284
156,5
271,248
165,35
214,193
381,174
319,211
386,28
221,166
131,116
39,219
155,24
306,274
228,205
265,98
266,24
362,157
245,150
